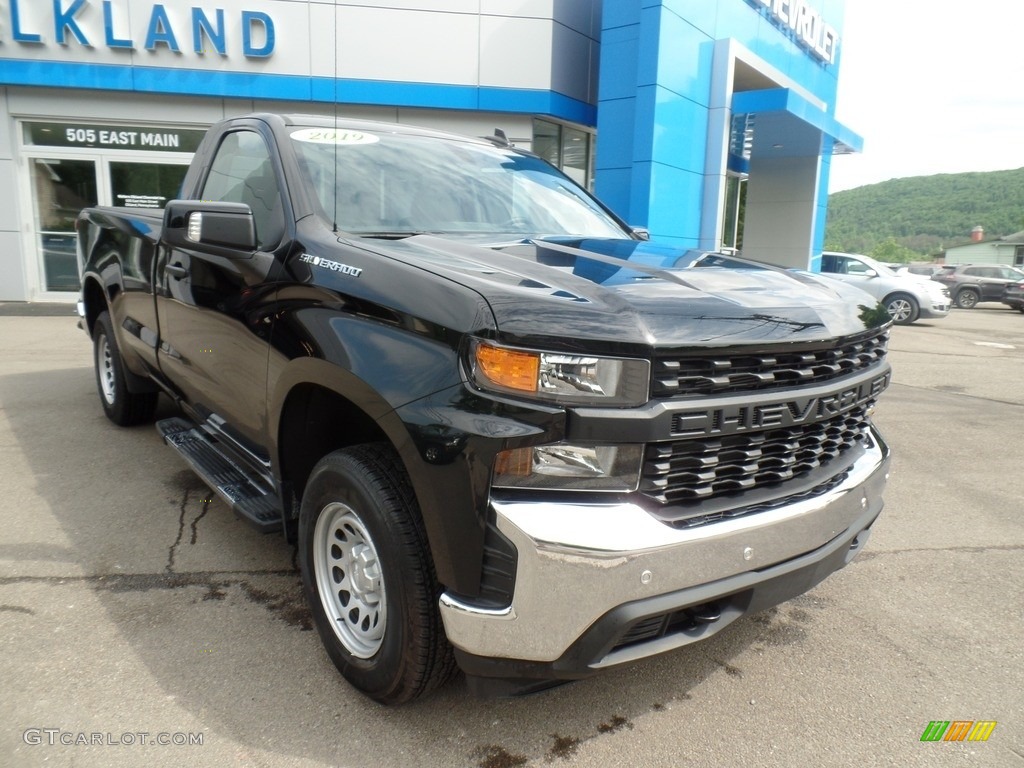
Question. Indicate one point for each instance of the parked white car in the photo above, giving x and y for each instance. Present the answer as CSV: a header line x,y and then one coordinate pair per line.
x,y
907,297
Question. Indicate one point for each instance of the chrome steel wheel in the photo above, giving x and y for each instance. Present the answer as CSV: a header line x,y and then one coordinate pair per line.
x,y
349,579
105,368
900,310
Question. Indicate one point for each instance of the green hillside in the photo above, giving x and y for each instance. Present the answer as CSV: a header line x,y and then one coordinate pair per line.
x,y
905,219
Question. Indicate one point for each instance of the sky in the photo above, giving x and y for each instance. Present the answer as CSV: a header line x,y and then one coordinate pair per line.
x,y
932,87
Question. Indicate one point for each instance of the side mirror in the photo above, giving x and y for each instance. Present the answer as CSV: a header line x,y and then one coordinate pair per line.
x,y
870,273
641,233
224,229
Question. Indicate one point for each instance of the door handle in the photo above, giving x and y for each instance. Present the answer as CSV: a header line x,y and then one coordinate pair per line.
x,y
176,270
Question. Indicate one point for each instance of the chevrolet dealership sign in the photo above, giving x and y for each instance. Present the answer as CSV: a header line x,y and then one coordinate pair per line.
x,y
806,25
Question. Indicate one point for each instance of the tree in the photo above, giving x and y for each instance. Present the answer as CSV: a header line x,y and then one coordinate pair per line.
x,y
889,251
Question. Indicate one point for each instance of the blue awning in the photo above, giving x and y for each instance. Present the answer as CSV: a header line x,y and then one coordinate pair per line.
x,y
783,123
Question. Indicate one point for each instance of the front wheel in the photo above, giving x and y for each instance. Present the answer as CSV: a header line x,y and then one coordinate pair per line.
x,y
968,298
903,309
369,578
122,407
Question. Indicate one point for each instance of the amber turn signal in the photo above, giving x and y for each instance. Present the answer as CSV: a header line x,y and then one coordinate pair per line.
x,y
508,367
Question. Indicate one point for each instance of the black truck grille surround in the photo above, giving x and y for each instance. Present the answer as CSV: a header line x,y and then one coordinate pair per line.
x,y
703,372
707,478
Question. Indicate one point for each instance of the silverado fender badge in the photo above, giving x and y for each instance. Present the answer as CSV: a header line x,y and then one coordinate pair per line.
x,y
335,266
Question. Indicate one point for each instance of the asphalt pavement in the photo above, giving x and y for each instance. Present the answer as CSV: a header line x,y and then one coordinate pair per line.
x,y
139,618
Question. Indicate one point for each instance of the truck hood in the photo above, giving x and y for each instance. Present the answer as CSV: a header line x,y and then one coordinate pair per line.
x,y
631,292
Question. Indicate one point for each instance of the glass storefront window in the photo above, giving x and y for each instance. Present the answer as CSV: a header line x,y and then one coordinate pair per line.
x,y
735,207
546,142
78,165
569,149
61,189
575,154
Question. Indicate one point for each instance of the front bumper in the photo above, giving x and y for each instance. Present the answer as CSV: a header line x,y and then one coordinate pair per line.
x,y
1014,300
596,581
935,310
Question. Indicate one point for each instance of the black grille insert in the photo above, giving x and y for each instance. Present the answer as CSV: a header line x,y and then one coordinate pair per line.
x,y
692,372
743,472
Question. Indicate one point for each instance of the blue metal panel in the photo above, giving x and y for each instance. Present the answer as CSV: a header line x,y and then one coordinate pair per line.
x,y
194,82
675,202
619,81
685,59
616,116
614,187
687,151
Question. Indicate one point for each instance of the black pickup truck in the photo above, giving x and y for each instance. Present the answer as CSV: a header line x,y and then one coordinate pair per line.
x,y
507,433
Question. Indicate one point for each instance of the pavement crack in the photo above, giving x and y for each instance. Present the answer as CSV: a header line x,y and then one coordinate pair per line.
x,y
17,609
205,504
181,532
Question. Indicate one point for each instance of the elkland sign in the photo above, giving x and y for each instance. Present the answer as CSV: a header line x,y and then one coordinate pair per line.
x,y
92,23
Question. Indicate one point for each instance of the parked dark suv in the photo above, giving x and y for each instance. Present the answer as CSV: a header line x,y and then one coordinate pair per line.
x,y
970,283
1014,295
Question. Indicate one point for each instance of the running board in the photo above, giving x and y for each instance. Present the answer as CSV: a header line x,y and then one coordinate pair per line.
x,y
249,499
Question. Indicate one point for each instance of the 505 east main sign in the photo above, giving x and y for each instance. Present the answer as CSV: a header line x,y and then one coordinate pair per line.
x,y
92,23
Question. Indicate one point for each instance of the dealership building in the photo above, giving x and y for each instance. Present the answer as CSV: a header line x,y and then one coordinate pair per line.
x,y
706,123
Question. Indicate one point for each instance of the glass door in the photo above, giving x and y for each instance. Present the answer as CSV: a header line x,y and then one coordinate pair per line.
x,y
61,188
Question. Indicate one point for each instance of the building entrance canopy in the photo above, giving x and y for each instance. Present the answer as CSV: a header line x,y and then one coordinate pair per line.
x,y
784,124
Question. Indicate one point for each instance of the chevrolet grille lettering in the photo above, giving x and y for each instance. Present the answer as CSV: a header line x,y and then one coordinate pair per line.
x,y
730,419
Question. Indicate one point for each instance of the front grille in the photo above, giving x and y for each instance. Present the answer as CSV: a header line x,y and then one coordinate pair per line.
x,y
698,372
752,509
709,474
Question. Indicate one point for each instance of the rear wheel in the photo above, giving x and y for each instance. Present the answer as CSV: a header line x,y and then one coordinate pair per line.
x,y
369,578
902,308
122,407
967,298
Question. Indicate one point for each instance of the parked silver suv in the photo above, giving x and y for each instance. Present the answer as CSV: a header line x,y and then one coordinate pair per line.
x,y
906,297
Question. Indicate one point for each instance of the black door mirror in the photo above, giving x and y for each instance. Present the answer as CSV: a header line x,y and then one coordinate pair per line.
x,y
224,229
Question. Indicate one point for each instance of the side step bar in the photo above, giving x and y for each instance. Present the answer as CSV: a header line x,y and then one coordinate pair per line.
x,y
249,499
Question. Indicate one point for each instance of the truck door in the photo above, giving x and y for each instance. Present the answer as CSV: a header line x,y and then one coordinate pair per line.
x,y
213,311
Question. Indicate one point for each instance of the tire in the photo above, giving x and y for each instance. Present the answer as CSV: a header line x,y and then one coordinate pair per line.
x,y
122,407
368,576
967,298
902,308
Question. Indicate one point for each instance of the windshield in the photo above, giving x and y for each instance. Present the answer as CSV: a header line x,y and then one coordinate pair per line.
x,y
880,268
392,185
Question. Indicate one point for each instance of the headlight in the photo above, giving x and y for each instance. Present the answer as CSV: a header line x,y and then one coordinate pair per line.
x,y
563,467
560,377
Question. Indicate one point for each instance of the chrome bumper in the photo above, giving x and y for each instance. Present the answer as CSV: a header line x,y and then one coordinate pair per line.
x,y
577,562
